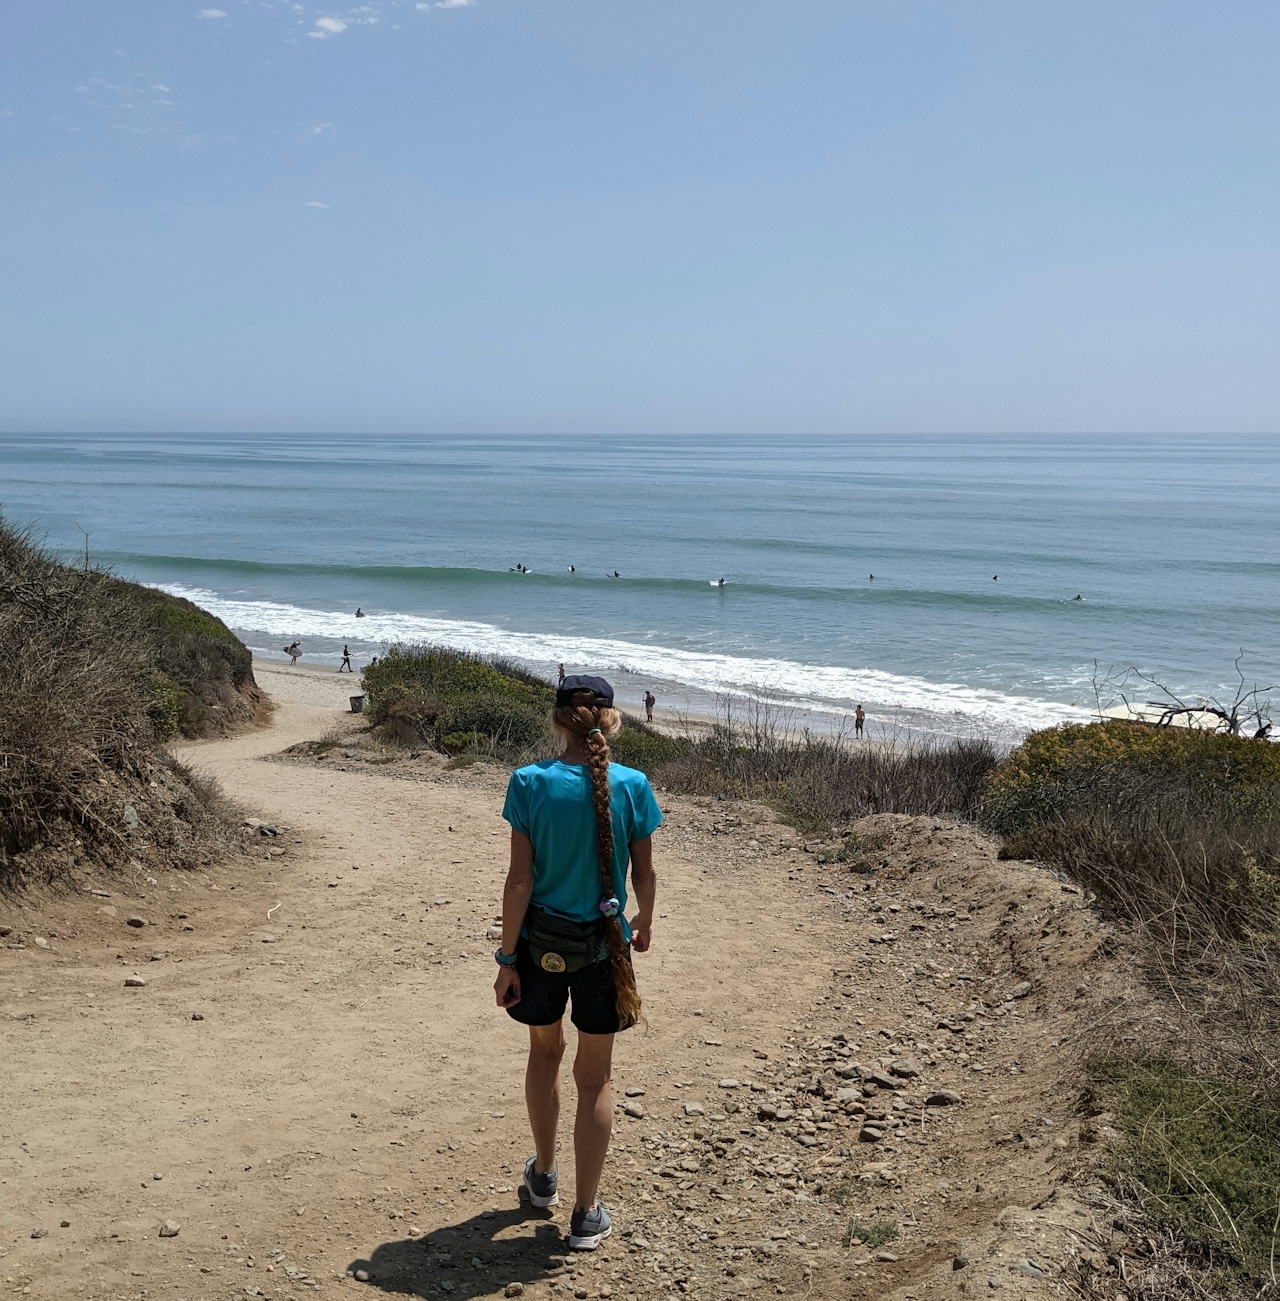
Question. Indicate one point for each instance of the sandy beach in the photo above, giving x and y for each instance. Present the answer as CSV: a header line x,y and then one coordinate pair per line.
x,y
307,1075
677,713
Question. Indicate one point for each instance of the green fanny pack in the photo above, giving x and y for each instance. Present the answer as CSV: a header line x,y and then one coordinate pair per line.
x,y
558,944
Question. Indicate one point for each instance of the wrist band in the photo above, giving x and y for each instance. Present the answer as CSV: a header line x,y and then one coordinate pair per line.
x,y
505,959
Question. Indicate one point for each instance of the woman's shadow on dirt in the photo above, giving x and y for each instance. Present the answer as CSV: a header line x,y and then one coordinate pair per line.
x,y
426,1266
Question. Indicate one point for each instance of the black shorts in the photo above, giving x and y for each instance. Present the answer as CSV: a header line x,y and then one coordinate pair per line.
x,y
544,995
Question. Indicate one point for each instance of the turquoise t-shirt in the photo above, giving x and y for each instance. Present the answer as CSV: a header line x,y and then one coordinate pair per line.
x,y
550,802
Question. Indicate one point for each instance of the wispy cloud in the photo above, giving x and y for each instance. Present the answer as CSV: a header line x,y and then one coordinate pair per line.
x,y
213,13
326,27
315,203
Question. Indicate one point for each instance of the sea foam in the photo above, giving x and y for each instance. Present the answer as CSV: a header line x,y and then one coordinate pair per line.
x,y
820,688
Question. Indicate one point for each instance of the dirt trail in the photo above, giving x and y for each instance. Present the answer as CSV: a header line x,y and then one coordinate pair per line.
x,y
314,1084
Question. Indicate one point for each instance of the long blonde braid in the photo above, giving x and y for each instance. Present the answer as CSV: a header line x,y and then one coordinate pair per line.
x,y
592,725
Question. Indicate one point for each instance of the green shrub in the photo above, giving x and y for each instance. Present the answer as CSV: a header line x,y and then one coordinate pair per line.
x,y
446,673
1150,819
643,747
176,616
870,1235
166,707
1043,774
458,742
435,695
1200,1153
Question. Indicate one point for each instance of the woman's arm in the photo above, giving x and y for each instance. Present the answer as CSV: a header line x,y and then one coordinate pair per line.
x,y
515,903
644,880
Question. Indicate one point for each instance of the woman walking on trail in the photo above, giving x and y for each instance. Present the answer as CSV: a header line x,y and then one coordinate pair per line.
x,y
576,821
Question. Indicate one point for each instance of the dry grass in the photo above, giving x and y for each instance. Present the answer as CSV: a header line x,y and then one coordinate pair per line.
x,y
820,781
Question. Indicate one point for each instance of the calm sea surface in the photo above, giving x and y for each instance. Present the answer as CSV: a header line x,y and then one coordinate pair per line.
x,y
1174,544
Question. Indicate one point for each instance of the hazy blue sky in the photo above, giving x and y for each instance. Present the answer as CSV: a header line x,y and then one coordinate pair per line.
x,y
561,215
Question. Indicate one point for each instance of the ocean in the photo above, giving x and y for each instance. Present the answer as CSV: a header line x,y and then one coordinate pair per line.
x,y
930,578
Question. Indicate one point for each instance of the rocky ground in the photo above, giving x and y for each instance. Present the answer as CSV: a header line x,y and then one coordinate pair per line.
x,y
287,1079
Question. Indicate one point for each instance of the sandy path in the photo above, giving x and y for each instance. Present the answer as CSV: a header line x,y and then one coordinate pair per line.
x,y
349,1066
350,1099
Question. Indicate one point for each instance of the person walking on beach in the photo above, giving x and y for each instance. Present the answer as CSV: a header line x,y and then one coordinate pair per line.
x,y
293,650
859,717
576,822
649,701
346,660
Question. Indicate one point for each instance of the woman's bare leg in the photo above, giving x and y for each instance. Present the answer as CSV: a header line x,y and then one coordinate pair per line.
x,y
542,1090
593,1074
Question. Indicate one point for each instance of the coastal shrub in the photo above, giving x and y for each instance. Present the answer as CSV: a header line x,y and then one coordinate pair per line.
x,y
166,707
1156,821
1197,1152
456,743
427,694
641,746
178,615
90,695
1178,834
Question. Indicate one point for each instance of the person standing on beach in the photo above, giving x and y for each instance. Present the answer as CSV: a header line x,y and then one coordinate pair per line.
x,y
576,823
649,701
859,717
346,660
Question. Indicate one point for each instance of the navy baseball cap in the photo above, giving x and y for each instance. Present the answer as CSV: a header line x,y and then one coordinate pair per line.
x,y
578,682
